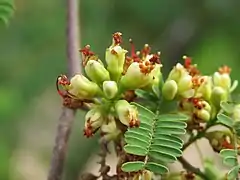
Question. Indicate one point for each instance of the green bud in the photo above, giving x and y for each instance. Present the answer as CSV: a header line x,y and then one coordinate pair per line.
x,y
96,71
127,114
218,95
203,114
169,89
110,89
185,86
115,58
156,75
207,106
82,88
134,78
177,72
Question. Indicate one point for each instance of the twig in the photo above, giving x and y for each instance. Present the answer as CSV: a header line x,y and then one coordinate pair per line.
x,y
186,165
199,135
67,116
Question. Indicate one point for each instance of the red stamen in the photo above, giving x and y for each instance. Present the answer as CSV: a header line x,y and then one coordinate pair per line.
x,y
134,56
62,80
188,61
155,59
117,37
146,50
224,70
227,145
86,51
134,123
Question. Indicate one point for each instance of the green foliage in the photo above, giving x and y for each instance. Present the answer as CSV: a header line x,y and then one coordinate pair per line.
x,y
230,159
157,140
227,107
225,120
6,10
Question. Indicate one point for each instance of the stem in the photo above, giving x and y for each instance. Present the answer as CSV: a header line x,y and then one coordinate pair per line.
x,y
198,136
186,165
67,115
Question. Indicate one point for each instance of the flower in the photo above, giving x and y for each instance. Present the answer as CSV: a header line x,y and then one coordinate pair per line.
x,y
110,89
93,121
135,77
169,89
222,80
127,114
96,71
115,57
220,140
204,88
82,88
183,80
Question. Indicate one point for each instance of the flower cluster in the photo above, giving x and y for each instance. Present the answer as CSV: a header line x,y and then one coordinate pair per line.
x,y
199,95
107,90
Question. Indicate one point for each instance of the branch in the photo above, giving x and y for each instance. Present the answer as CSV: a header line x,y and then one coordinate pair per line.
x,y
186,165
67,116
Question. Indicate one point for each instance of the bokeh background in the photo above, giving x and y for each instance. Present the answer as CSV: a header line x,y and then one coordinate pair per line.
x,y
32,54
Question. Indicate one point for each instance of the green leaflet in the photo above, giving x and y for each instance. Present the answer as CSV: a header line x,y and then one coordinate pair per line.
x,y
156,168
233,173
133,166
227,107
6,10
227,153
156,139
225,120
230,159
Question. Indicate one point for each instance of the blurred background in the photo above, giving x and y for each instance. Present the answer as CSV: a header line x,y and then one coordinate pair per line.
x,y
32,55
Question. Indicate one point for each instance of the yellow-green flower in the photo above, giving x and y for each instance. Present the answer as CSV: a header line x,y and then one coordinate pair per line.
x,y
82,88
127,114
96,71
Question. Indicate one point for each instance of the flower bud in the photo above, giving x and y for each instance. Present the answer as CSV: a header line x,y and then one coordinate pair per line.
x,y
110,130
127,114
186,105
202,114
93,121
185,86
96,71
110,89
177,72
184,81
169,89
82,88
115,58
156,74
218,95
222,80
134,78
